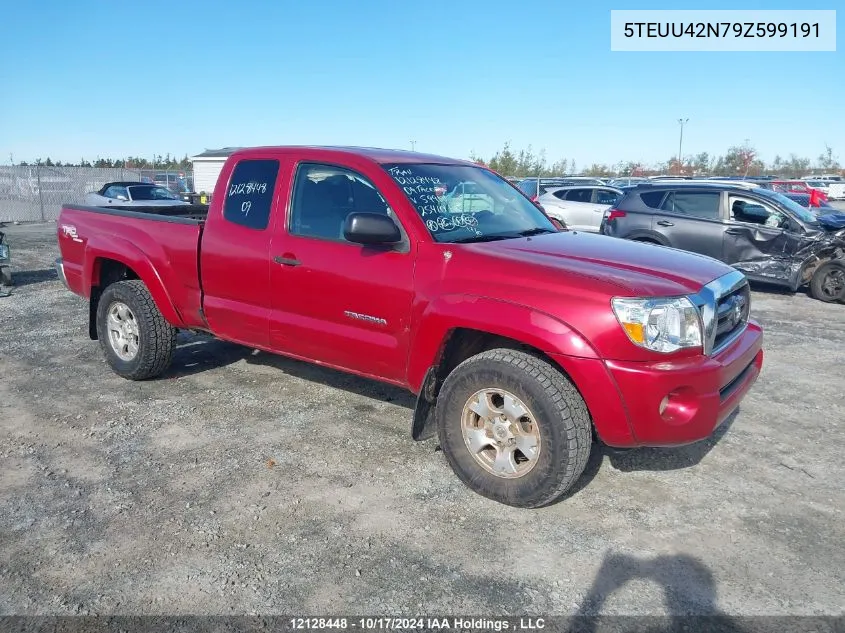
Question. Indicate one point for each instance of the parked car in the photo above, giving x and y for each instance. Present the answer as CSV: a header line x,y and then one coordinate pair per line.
x,y
579,208
760,232
825,177
519,340
176,182
794,186
130,194
836,191
807,201
536,187
626,181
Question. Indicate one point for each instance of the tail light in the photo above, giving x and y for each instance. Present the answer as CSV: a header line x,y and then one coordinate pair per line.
x,y
614,213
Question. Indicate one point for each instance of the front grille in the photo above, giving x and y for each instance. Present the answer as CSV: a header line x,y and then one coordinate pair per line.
x,y
731,315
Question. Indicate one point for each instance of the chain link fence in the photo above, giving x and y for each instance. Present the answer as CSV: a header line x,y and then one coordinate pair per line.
x,y
37,193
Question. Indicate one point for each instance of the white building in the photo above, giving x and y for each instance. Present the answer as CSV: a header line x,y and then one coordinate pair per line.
x,y
207,166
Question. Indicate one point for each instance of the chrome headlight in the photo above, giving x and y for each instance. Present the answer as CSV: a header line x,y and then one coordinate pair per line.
x,y
661,325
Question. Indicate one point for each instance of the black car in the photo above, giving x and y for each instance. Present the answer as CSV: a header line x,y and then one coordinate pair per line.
x,y
760,232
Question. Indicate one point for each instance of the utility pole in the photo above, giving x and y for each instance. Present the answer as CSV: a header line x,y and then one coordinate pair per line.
x,y
681,145
413,146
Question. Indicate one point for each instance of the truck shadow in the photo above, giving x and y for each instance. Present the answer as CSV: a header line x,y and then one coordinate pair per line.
x,y
672,458
689,595
196,353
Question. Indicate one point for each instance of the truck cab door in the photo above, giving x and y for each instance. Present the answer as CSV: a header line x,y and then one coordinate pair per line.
x,y
333,301
235,253
759,240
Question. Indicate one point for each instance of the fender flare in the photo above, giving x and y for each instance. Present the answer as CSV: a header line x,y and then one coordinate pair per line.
x,y
519,322
123,251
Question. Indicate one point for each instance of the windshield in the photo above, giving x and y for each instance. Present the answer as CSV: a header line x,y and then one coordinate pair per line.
x,y
148,192
793,206
476,206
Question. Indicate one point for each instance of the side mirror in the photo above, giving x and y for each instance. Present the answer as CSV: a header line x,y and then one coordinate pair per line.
x,y
371,228
124,198
560,226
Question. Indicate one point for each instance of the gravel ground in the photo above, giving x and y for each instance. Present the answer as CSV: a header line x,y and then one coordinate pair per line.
x,y
246,483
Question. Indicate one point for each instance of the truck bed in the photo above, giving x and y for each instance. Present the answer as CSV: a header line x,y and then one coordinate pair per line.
x,y
159,244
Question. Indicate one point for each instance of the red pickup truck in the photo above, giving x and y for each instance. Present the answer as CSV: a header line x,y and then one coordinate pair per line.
x,y
521,341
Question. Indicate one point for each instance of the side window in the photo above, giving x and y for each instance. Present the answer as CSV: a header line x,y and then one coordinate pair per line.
x,y
652,199
250,195
560,194
701,204
579,195
324,195
752,211
605,196
115,191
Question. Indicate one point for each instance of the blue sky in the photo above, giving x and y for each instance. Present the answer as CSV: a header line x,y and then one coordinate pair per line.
x,y
82,79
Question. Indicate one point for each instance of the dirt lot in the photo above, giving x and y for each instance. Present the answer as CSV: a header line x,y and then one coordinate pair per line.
x,y
247,483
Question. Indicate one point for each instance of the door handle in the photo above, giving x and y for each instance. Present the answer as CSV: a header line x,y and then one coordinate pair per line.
x,y
733,231
666,223
286,261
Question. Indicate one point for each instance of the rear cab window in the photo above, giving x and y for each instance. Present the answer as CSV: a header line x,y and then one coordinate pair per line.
x,y
249,196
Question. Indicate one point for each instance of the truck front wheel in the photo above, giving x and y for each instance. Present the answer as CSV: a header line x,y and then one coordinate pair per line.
x,y
136,340
513,428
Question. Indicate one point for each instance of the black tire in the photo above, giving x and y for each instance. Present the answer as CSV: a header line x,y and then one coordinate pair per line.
x,y
5,276
156,337
564,425
828,282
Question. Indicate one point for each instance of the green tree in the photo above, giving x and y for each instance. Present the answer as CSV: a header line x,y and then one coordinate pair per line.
x,y
505,162
797,166
701,163
827,161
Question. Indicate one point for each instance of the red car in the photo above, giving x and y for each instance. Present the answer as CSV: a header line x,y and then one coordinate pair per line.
x,y
520,341
798,186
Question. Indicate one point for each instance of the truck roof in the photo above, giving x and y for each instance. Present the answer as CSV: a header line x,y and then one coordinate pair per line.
x,y
375,154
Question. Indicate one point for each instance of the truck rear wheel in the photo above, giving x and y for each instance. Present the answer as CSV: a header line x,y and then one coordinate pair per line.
x,y
513,428
136,340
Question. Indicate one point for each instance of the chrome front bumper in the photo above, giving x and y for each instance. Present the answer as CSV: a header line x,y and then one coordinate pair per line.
x,y
60,270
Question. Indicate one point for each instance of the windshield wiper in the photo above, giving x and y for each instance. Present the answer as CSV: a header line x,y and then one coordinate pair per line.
x,y
536,231
482,238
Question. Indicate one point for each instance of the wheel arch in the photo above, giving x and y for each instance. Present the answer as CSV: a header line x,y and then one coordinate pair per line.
x,y
648,237
448,336
105,266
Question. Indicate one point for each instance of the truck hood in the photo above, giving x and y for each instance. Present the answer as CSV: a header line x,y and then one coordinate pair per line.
x,y
637,268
